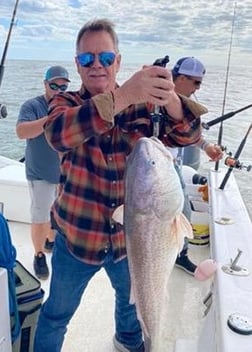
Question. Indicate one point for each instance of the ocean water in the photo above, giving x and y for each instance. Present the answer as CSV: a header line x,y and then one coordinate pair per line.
x,y
23,79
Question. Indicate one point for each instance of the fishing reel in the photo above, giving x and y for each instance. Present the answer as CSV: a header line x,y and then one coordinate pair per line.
x,y
3,111
234,161
162,62
236,164
156,116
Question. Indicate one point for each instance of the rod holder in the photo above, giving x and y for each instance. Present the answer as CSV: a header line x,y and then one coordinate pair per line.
x,y
233,268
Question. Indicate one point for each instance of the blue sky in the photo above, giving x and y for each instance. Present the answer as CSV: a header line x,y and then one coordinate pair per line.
x,y
147,29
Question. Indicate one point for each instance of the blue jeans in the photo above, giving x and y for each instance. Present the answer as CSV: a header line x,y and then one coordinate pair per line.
x,y
69,280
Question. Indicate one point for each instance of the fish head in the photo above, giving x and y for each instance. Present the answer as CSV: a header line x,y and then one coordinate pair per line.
x,y
151,181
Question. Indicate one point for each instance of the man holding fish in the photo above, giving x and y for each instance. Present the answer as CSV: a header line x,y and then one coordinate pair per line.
x,y
95,129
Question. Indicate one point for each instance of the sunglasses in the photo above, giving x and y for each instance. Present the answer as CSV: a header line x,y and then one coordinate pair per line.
x,y
55,86
195,81
106,58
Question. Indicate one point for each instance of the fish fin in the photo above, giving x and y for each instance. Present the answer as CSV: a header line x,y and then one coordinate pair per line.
x,y
181,228
117,215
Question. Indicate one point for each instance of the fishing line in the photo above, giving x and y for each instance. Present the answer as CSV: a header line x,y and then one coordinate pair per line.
x,y
226,85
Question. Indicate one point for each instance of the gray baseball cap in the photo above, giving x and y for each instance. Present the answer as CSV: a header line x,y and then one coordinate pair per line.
x,y
56,72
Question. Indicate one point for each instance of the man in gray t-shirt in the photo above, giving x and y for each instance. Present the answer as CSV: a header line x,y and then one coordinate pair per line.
x,y
42,165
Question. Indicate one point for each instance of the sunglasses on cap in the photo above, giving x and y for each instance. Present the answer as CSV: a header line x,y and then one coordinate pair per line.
x,y
55,86
195,81
106,58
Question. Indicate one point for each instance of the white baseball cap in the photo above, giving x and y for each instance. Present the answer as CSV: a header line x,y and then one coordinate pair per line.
x,y
189,66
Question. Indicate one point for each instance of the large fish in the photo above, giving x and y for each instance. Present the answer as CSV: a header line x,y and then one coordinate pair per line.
x,y
155,228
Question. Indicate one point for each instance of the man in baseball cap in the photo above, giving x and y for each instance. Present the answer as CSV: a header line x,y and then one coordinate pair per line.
x,y
56,72
188,74
42,165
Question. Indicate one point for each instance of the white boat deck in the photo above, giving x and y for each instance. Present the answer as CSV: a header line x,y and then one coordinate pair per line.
x,y
92,327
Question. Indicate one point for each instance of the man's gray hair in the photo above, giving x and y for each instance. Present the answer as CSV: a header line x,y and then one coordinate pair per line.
x,y
98,25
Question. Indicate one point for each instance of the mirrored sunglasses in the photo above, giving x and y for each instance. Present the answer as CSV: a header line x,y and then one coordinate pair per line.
x,y
106,58
195,81
55,86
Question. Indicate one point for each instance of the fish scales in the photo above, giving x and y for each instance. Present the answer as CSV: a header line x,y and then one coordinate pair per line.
x,y
155,228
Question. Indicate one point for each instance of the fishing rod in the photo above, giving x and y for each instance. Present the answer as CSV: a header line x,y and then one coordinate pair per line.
x,y
157,115
226,84
234,162
7,42
3,108
207,125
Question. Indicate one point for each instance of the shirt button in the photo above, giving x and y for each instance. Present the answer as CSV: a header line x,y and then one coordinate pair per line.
x,y
113,205
106,249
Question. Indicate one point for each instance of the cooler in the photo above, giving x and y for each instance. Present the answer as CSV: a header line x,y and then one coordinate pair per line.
x,y
14,193
29,298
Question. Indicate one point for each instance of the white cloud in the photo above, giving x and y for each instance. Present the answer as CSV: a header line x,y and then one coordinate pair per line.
x,y
146,28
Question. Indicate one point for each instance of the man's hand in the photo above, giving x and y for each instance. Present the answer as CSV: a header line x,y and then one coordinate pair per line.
x,y
214,151
152,84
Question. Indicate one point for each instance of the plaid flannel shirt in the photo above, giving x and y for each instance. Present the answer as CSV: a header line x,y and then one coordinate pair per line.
x,y
94,145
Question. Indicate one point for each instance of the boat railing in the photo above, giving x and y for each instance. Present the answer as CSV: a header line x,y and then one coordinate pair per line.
x,y
227,326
